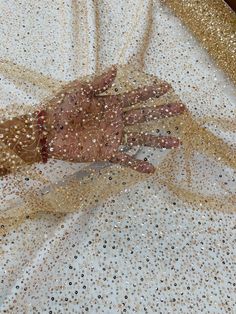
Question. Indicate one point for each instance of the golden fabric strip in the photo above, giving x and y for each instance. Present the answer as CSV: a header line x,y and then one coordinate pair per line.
x,y
214,24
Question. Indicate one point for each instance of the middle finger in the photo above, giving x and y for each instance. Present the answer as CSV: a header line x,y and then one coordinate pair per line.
x,y
147,114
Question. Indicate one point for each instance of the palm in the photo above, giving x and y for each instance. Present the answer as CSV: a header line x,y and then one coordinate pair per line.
x,y
90,127
93,133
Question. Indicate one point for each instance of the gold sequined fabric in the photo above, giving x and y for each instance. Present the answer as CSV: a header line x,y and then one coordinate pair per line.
x,y
94,238
32,191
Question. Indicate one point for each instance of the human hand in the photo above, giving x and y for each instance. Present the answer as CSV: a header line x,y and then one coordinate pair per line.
x,y
87,126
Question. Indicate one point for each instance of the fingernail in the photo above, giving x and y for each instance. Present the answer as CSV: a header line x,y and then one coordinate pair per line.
x,y
182,106
166,86
170,143
147,168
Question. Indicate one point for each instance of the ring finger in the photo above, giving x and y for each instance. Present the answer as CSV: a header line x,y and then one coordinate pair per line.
x,y
135,139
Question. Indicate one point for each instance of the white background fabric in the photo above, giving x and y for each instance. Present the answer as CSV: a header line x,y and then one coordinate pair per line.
x,y
142,251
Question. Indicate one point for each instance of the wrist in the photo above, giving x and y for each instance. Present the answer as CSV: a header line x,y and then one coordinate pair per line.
x,y
20,136
49,131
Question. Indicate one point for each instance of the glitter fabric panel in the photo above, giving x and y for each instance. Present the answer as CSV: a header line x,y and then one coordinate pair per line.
x,y
82,238
214,24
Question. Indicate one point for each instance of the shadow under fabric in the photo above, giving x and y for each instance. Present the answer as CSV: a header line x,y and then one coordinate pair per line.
x,y
189,173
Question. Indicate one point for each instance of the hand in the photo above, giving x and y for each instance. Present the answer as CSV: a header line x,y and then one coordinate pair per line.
x,y
89,127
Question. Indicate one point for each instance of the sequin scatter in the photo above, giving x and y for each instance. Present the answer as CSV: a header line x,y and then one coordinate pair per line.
x,y
130,244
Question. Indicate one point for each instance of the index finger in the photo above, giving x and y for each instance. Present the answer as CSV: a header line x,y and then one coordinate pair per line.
x,y
144,93
104,81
